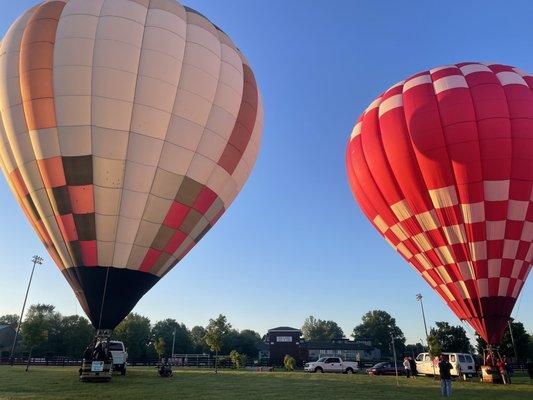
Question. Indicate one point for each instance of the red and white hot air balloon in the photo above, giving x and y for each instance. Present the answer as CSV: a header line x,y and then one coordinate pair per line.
x,y
442,165
128,128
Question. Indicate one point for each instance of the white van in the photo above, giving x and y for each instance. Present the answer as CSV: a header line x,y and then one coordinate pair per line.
x,y
120,356
463,364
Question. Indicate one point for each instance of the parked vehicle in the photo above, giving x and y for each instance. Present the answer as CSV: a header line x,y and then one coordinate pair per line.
x,y
384,368
462,363
332,364
120,356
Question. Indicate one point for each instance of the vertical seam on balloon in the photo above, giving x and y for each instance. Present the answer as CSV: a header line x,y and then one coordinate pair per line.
x,y
475,286
92,126
463,303
68,247
426,189
166,132
128,141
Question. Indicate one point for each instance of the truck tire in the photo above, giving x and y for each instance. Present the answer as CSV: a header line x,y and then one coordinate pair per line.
x,y
349,371
318,369
123,370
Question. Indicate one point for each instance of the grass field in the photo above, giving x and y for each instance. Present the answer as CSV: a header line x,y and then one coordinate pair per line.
x,y
143,383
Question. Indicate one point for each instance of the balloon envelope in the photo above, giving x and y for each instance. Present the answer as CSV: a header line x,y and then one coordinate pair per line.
x,y
128,128
442,165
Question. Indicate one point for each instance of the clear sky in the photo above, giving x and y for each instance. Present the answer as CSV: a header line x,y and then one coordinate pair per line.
x,y
294,243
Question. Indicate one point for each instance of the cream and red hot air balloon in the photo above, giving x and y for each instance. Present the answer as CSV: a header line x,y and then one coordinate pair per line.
x,y
442,165
129,126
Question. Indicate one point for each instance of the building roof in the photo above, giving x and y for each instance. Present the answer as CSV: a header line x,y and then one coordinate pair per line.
x,y
284,329
335,345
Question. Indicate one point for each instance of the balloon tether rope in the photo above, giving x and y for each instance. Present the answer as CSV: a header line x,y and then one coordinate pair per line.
x,y
103,298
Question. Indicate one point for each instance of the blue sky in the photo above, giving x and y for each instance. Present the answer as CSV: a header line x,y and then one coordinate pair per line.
x,y
294,243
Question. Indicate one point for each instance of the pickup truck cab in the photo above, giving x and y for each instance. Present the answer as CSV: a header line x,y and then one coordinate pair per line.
x,y
332,364
462,364
120,356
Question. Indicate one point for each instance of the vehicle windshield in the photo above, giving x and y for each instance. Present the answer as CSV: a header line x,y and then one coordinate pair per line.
x,y
321,359
116,347
381,364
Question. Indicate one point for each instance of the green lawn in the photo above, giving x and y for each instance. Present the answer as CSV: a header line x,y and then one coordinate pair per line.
x,y
143,383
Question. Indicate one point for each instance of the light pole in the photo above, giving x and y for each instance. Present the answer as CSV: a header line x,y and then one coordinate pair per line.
x,y
395,361
36,260
419,298
512,340
173,342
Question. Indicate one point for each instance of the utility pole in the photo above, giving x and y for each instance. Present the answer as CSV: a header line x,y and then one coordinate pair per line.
x,y
395,361
512,340
36,260
173,342
419,298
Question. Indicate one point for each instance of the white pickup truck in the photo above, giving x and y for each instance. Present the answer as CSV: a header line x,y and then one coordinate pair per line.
x,y
332,364
120,356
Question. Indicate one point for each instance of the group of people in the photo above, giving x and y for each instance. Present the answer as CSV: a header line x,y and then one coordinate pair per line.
x,y
409,365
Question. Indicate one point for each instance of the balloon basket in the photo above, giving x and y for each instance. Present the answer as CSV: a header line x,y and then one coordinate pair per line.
x,y
490,374
96,371
97,364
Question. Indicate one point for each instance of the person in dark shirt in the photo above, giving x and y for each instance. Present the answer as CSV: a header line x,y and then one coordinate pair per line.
x,y
445,376
414,371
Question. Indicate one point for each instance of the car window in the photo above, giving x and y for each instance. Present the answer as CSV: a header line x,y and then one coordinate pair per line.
x,y
469,358
329,360
462,358
323,359
116,347
452,357
427,357
420,357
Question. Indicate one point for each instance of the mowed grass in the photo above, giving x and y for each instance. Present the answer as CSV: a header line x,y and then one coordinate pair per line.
x,y
144,383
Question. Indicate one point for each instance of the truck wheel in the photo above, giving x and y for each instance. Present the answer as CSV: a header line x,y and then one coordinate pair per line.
x,y
123,371
349,371
319,370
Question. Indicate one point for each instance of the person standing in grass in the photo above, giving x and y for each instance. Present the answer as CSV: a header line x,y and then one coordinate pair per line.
x,y
407,367
445,376
414,371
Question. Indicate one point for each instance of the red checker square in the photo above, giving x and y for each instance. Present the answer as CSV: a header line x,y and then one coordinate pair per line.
x,y
500,68
494,285
521,251
507,268
18,182
436,238
433,257
205,199
149,260
176,215
494,249
481,268
520,190
513,229
81,199
496,210
392,237
89,253
175,241
67,227
476,231
52,172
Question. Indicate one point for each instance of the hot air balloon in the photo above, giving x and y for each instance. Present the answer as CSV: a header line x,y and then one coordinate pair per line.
x,y
128,128
442,166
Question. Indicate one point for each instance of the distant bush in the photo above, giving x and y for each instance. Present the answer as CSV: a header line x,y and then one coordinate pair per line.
x,y
289,362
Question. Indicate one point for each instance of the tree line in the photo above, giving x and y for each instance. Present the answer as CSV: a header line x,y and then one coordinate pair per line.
x,y
47,333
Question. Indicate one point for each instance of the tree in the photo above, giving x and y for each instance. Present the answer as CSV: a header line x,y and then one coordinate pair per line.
x,y
54,341
248,343
134,331
319,330
76,333
159,346
413,350
9,319
165,329
289,362
198,340
35,329
449,338
378,326
216,330
238,359
521,339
